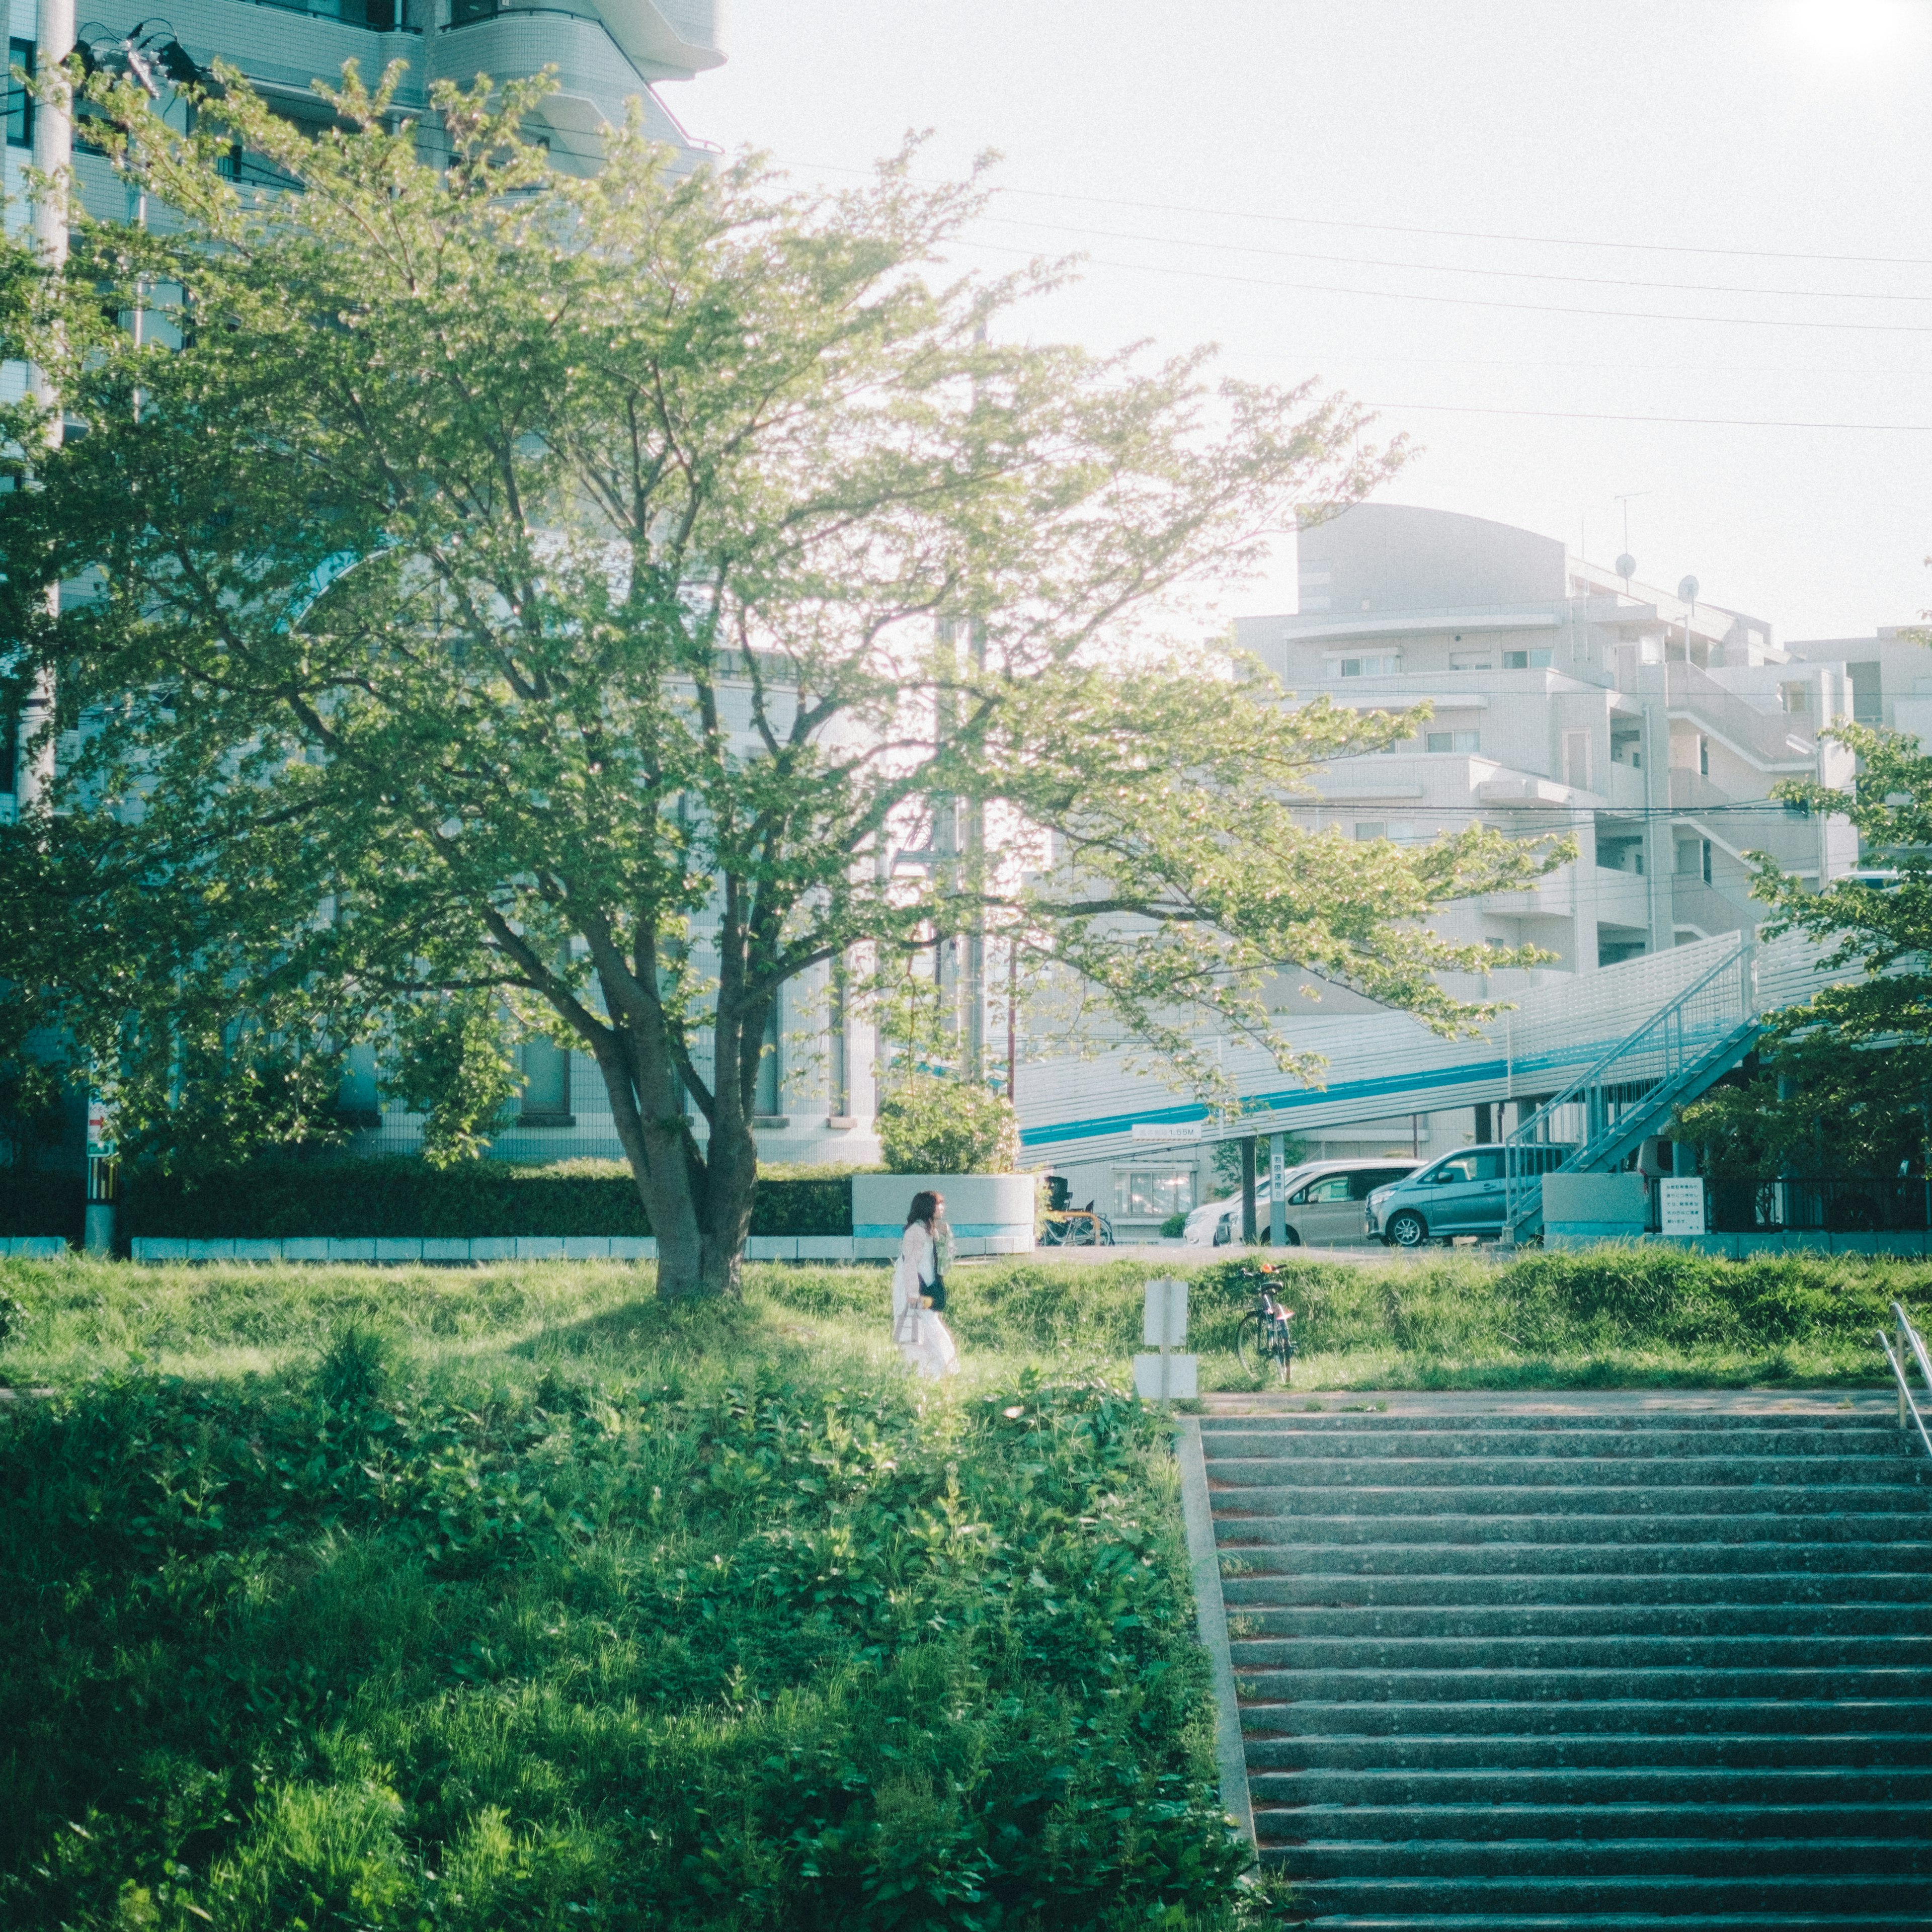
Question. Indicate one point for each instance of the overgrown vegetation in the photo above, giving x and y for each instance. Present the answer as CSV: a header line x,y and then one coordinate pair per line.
x,y
928,1125
519,1600
516,1597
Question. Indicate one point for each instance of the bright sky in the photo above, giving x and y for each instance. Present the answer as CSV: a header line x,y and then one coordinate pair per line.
x,y
1497,219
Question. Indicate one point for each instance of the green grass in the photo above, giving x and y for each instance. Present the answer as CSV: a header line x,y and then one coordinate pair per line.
x,y
341,1599
348,1598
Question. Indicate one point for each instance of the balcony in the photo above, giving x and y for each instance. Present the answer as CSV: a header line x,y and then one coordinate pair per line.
x,y
1711,912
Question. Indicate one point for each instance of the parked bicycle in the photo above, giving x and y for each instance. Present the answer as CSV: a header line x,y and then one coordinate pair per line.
x,y
1264,1338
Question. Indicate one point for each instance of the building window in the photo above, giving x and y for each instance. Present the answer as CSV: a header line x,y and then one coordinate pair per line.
x,y
1693,859
19,102
1152,1194
1367,829
1384,665
1471,661
546,1098
1703,756
1526,660
462,12
765,1092
1454,741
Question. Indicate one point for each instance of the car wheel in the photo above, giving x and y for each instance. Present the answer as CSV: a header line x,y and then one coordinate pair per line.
x,y
1406,1231
1223,1234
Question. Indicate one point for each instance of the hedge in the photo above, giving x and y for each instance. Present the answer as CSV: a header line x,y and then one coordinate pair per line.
x,y
400,1196
41,1204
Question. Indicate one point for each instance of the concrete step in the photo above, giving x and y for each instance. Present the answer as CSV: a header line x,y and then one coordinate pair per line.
x,y
1710,1685
1745,1856
1551,1414
1479,1498
1904,1750
1883,1532
1486,1715
1720,1620
1565,1785
1505,1670
1294,1445
1880,1594
1445,1904
1270,1549
1594,1654
1617,1921
1325,1473
1561,1825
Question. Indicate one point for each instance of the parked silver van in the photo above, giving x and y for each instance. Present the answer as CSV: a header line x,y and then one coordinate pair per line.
x,y
1463,1193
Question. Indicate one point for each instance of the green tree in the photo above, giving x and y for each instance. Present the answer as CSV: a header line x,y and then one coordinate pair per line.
x,y
505,584
1847,1081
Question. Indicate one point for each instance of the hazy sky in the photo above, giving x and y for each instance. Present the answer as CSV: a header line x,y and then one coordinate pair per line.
x,y
1282,177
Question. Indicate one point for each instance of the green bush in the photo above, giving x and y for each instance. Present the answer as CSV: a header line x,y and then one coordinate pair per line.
x,y
41,1204
1174,1226
751,1647
402,1197
931,1126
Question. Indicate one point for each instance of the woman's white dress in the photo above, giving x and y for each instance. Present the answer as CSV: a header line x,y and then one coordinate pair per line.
x,y
923,1339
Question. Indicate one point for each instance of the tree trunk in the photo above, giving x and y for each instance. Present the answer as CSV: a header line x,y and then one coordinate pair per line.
x,y
699,1207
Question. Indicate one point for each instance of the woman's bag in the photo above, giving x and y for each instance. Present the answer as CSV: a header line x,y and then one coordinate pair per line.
x,y
936,1293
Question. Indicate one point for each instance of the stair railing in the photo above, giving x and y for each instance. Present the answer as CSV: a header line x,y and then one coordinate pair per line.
x,y
1911,1349
1657,1051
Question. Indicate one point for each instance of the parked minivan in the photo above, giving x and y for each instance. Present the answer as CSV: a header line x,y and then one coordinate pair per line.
x,y
1463,1193
1323,1199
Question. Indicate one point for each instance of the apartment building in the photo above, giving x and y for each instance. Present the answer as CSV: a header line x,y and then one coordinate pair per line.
x,y
1648,725
816,1099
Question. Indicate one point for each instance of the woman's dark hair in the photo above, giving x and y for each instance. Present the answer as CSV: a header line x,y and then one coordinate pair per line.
x,y
924,1206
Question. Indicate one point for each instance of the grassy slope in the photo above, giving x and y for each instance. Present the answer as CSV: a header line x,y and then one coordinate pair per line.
x,y
539,1604
341,1599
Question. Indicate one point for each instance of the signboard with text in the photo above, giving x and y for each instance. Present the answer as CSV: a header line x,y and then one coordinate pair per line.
x,y
1680,1208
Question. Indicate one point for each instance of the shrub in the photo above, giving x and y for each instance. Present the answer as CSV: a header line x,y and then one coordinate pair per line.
x,y
41,1204
401,1196
1175,1226
931,1126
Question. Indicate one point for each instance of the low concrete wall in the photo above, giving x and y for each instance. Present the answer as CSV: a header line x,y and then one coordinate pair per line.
x,y
990,1213
41,1247
1742,1247
1578,1208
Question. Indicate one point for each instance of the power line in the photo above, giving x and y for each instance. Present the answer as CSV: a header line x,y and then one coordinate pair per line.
x,y
1438,234
1445,269
1688,422
1479,301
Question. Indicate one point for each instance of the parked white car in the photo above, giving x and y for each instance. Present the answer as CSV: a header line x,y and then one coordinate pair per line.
x,y
1323,1200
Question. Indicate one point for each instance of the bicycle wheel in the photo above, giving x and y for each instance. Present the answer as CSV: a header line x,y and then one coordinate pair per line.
x,y
1250,1344
1282,1344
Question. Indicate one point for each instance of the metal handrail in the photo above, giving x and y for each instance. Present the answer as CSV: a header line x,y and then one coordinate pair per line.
x,y
1911,1344
1517,1188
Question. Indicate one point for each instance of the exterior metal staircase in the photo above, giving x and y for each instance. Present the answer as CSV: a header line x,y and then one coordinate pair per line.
x,y
1687,1046
1634,1661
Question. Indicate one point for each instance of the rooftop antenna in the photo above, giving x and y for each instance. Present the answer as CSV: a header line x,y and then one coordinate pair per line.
x,y
1626,566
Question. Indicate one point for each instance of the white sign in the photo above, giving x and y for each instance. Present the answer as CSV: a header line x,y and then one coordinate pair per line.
x,y
1165,1378
1165,1324
1165,1130
1680,1208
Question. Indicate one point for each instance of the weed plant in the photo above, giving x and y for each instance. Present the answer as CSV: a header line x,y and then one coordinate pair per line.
x,y
342,1600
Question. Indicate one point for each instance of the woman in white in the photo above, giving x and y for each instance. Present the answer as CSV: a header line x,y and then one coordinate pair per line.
x,y
923,1338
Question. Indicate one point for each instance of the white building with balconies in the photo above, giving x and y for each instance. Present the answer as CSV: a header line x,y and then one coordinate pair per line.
x,y
1648,727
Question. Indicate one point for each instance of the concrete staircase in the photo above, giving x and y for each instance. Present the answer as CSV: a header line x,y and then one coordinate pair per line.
x,y
1607,1661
